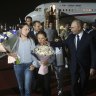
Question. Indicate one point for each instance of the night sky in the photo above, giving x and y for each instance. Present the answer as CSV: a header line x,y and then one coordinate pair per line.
x,y
12,10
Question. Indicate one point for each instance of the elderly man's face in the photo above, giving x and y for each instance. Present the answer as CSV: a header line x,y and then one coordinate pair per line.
x,y
75,28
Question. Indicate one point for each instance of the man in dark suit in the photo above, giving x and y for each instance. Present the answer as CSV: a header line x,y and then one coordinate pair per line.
x,y
28,20
36,28
81,52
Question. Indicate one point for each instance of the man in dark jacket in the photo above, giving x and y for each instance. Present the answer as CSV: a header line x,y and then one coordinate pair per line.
x,y
82,58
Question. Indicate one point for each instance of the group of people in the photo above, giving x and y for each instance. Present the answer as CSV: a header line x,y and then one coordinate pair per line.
x,y
79,48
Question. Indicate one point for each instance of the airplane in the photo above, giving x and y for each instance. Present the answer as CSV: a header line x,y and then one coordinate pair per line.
x,y
83,11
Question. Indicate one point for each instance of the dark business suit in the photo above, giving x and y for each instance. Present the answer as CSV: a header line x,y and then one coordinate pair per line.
x,y
81,60
35,83
93,36
33,36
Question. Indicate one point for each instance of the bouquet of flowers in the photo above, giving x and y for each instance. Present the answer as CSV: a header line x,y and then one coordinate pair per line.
x,y
7,41
43,53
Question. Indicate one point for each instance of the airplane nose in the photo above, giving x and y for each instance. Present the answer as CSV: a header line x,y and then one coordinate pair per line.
x,y
33,15
36,16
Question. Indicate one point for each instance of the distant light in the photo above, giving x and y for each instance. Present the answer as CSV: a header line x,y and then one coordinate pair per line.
x,y
61,27
54,7
14,31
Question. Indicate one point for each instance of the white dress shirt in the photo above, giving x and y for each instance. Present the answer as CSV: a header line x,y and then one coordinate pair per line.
x,y
80,36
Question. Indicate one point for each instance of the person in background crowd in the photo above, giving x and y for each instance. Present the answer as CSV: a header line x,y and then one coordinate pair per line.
x,y
94,26
64,33
82,58
36,28
86,27
28,20
1,28
52,17
51,32
92,32
59,63
56,42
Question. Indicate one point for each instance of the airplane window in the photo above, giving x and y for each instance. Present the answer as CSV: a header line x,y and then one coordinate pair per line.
x,y
63,5
87,10
70,5
84,9
78,5
92,10
72,10
38,9
59,9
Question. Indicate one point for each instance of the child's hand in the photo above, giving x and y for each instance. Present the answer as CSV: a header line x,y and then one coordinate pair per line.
x,y
44,62
46,43
31,68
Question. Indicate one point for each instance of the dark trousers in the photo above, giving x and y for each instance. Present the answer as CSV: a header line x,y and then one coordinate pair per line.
x,y
79,80
35,83
45,82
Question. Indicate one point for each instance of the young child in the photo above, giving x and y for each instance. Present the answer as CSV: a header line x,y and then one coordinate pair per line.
x,y
45,79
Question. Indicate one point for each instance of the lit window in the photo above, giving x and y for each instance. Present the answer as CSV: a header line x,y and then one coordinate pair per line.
x,y
90,9
72,10
84,9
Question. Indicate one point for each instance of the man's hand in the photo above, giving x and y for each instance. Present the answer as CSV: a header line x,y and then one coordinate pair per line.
x,y
92,72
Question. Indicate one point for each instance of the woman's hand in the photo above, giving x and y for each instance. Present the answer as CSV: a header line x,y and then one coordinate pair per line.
x,y
31,67
13,55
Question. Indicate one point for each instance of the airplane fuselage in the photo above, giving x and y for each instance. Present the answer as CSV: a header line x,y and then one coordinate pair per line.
x,y
83,11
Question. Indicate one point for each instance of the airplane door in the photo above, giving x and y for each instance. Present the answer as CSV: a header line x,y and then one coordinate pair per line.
x,y
50,15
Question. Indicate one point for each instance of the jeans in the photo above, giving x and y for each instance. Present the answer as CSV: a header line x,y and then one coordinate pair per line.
x,y
24,78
